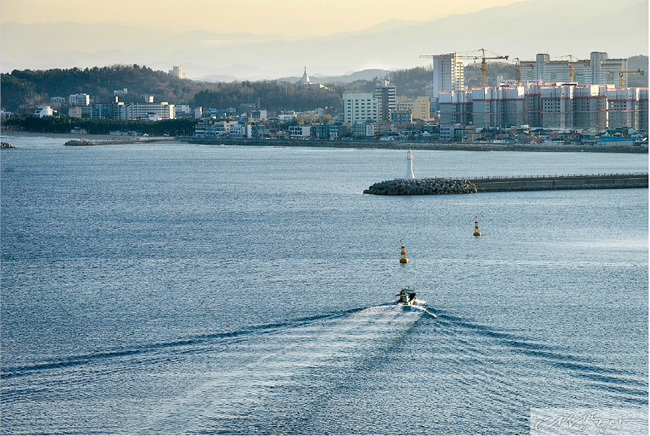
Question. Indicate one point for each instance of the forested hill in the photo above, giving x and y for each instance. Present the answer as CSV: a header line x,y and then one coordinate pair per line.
x,y
24,89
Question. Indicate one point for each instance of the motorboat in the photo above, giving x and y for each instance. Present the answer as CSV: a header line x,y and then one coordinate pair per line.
x,y
407,298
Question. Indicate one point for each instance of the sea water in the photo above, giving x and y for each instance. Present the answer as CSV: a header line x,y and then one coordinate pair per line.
x,y
175,288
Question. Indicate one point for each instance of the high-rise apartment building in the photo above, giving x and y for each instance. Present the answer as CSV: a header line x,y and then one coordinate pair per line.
x,y
590,107
360,107
386,96
597,70
455,107
624,107
498,106
448,75
569,106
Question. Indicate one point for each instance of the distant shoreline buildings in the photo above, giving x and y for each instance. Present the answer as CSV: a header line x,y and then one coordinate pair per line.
x,y
542,97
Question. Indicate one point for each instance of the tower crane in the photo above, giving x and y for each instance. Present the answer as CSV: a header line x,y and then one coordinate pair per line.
x,y
621,75
518,64
571,66
517,70
483,58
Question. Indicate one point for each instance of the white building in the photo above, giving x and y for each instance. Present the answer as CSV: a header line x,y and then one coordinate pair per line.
x,y
286,116
360,107
590,107
448,75
624,107
79,99
150,111
43,111
500,106
304,80
455,108
177,71
299,132
237,130
568,106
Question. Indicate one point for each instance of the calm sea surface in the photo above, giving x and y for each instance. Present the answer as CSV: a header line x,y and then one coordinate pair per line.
x,y
182,288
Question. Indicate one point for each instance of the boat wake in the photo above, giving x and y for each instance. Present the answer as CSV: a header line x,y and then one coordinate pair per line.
x,y
297,365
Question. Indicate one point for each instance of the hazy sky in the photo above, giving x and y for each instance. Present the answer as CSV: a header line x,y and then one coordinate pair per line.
x,y
298,18
330,37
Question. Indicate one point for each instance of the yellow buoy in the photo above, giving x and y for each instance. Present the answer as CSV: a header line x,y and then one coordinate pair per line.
x,y
403,258
477,232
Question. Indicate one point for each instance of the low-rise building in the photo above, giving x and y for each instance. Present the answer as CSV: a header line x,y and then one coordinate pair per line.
x,y
150,111
363,130
401,117
237,130
43,111
79,99
259,115
327,131
114,110
80,112
299,132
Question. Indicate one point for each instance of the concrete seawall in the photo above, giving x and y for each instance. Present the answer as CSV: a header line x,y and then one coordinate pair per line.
x,y
439,186
604,181
416,145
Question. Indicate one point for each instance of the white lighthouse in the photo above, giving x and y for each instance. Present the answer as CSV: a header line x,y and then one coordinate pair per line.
x,y
409,165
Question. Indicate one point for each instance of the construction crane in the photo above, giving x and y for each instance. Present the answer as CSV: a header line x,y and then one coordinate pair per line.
x,y
517,70
518,64
621,75
483,58
571,66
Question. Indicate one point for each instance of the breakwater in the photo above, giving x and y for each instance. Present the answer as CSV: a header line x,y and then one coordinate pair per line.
x,y
133,140
441,186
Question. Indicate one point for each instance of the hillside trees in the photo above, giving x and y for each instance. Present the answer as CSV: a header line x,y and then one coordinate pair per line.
x,y
24,89
271,95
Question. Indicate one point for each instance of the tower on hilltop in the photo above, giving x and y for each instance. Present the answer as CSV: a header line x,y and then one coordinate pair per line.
x,y
304,81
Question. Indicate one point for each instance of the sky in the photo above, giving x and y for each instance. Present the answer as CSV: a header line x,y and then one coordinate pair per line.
x,y
268,39
296,18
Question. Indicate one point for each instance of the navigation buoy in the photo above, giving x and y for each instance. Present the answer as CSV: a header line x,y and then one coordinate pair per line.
x,y
477,232
403,258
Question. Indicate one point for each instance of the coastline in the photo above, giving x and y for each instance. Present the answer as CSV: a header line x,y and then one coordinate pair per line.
x,y
386,145
417,145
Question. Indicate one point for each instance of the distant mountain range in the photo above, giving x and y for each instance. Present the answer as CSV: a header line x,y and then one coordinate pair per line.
x,y
557,27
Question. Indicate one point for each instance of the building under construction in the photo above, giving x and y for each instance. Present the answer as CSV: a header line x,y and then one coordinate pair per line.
x,y
597,70
556,106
